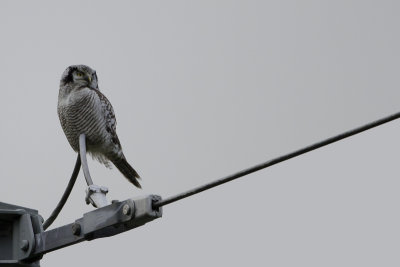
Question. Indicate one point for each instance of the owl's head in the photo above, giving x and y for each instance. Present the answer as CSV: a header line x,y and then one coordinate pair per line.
x,y
78,76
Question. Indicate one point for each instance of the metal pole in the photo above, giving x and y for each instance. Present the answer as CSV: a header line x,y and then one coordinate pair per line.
x,y
82,152
95,195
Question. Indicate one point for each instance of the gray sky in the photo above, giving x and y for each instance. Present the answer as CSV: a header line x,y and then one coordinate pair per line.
x,y
202,89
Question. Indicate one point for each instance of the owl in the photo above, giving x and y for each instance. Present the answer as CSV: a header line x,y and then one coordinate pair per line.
x,y
83,109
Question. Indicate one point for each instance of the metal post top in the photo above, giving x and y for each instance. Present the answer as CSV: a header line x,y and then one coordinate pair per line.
x,y
6,206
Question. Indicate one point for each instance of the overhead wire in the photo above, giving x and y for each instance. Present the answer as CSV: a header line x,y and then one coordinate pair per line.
x,y
276,160
65,196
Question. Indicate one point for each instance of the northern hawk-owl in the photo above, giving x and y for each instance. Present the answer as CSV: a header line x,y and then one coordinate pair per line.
x,y
83,109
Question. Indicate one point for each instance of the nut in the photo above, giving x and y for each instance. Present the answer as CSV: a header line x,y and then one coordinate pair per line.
x,y
104,189
76,229
24,245
126,209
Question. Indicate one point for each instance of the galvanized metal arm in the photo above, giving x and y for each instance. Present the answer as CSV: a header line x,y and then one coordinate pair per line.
x,y
24,242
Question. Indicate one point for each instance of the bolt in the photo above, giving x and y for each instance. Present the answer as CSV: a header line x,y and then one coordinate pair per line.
x,y
92,189
24,245
126,209
104,189
76,229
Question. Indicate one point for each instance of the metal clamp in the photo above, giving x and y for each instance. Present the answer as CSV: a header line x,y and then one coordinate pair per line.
x,y
96,195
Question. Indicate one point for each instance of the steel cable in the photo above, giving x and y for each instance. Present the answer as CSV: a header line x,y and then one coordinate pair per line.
x,y
65,196
274,161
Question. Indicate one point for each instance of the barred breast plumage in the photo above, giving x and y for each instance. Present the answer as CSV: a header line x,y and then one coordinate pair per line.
x,y
82,108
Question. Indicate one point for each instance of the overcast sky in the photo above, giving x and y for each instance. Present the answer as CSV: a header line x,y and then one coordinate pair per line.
x,y
202,89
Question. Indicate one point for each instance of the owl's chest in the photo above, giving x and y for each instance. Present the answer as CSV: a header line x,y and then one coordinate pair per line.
x,y
80,97
81,112
79,105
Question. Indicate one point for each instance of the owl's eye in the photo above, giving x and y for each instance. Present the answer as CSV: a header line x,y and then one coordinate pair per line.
x,y
79,74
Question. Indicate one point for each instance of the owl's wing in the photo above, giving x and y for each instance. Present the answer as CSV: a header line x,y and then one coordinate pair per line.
x,y
109,116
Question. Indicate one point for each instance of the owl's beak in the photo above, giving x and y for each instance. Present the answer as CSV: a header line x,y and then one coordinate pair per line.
x,y
89,78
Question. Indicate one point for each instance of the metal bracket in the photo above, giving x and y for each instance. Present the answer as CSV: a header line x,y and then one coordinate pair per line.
x,y
18,227
95,195
113,219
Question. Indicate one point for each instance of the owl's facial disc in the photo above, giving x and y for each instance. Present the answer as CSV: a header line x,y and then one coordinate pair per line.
x,y
82,77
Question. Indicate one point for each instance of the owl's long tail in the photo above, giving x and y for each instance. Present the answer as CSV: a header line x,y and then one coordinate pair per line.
x,y
126,169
